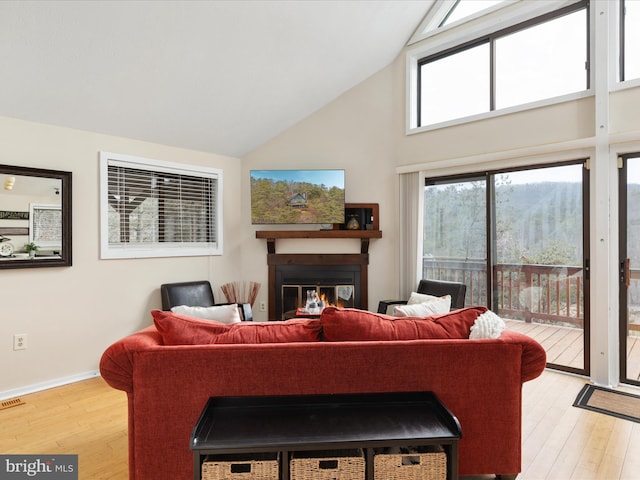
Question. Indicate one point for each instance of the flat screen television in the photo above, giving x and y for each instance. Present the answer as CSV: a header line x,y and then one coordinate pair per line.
x,y
297,196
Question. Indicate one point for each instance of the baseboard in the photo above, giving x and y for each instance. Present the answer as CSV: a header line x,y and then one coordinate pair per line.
x,y
37,387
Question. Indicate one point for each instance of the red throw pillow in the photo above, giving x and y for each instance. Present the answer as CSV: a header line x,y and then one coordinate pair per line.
x,y
178,329
339,325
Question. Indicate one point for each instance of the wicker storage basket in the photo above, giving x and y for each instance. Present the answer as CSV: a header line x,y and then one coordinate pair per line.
x,y
327,465
421,463
258,466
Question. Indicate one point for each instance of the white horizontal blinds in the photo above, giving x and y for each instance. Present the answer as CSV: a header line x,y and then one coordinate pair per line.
x,y
185,209
151,205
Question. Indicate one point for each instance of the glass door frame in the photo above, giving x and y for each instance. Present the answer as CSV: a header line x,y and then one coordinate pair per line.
x,y
492,257
624,270
492,294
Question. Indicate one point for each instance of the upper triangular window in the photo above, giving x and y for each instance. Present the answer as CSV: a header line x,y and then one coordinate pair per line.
x,y
446,12
466,8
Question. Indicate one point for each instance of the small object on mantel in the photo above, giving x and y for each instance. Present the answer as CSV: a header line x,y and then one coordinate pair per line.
x,y
353,223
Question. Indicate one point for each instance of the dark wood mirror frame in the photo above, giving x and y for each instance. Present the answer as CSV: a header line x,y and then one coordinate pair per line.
x,y
64,259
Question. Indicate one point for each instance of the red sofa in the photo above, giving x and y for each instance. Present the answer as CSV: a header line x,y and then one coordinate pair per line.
x,y
168,384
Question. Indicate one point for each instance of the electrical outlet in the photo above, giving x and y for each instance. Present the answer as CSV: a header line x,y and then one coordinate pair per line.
x,y
20,341
263,306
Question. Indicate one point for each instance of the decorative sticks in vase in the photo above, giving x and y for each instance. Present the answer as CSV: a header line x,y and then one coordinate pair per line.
x,y
241,291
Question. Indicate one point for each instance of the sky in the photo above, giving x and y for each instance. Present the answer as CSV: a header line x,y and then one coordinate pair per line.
x,y
329,178
633,170
568,173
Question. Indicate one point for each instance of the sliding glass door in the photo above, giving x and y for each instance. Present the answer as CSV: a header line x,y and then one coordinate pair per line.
x,y
517,240
538,273
630,269
455,234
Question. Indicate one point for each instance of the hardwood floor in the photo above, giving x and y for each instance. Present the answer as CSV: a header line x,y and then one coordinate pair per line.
x,y
560,442
564,442
564,345
87,418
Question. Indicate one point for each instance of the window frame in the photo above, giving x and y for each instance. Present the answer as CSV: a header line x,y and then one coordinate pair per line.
x,y
621,42
622,47
512,20
159,249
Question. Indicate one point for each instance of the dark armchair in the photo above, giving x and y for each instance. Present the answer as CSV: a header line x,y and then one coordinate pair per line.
x,y
196,294
437,288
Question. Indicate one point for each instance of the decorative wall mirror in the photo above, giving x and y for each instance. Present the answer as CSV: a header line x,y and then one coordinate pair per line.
x,y
35,217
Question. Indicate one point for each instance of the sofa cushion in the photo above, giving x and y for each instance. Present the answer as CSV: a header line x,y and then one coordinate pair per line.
x,y
221,313
177,329
416,297
431,307
360,325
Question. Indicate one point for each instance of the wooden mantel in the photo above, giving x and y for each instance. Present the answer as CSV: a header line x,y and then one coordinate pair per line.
x,y
364,235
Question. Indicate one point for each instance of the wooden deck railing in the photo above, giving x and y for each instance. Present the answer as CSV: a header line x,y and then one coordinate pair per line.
x,y
547,293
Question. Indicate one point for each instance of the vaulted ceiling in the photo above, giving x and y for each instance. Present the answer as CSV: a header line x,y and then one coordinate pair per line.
x,y
217,76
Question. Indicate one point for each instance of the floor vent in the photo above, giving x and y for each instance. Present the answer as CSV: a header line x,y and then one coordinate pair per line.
x,y
14,402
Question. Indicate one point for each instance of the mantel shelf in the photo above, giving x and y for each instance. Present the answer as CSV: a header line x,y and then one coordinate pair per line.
x,y
319,234
272,235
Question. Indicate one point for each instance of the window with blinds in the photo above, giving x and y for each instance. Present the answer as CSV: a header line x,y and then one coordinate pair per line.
x,y
157,209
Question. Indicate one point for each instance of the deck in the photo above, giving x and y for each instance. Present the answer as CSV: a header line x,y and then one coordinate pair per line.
x,y
564,345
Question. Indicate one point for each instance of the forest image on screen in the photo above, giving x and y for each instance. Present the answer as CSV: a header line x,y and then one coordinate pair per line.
x,y
297,196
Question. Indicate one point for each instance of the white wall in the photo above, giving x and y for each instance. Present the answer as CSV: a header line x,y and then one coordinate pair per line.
x,y
511,132
72,314
355,132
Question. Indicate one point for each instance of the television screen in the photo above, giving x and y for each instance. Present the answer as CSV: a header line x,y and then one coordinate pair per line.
x,y
297,196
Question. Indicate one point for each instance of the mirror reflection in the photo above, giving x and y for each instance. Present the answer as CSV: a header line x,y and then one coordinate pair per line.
x,y
34,217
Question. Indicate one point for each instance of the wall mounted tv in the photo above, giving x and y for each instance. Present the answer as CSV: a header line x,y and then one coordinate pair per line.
x,y
297,196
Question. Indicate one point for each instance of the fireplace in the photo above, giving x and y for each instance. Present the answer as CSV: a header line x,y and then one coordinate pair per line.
x,y
343,273
341,278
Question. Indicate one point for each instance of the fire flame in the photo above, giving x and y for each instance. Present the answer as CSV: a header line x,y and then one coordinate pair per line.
x,y
323,298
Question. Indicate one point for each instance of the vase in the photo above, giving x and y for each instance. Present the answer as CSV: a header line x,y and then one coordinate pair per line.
x,y
353,223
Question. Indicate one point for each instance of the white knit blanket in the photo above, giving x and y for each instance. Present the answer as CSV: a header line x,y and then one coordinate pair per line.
x,y
487,325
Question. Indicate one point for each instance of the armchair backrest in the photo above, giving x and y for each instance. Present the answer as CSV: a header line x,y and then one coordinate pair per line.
x,y
438,288
194,294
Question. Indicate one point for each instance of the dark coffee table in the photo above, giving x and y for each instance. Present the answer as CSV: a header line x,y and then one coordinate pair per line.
x,y
284,424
